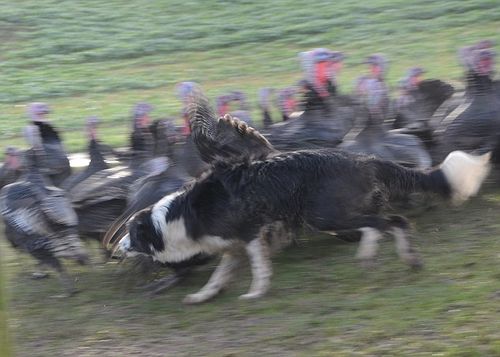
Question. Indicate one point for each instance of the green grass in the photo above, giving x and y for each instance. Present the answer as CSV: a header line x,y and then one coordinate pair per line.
x,y
321,302
91,57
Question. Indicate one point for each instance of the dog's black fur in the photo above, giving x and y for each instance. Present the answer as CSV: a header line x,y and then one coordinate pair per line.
x,y
327,190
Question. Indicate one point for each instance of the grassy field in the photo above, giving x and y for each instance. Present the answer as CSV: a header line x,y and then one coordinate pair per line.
x,y
91,57
321,302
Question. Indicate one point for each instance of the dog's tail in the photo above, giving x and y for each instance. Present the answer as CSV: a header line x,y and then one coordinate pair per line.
x,y
458,177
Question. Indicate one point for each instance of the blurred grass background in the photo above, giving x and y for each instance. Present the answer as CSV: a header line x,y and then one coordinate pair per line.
x,y
91,57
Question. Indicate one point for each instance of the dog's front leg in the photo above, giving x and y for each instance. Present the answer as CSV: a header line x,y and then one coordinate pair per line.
x,y
258,252
219,279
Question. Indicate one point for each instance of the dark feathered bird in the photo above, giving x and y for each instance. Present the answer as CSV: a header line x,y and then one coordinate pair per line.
x,y
56,163
100,195
39,219
101,198
97,162
414,111
224,138
323,123
372,138
405,149
149,189
265,106
187,157
12,167
475,123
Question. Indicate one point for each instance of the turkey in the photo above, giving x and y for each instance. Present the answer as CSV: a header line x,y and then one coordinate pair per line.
x,y
234,103
102,197
374,138
12,167
97,162
327,116
475,123
39,218
418,103
56,164
265,100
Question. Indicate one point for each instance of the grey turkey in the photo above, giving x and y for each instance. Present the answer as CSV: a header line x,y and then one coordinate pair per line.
x,y
327,115
97,160
265,100
475,124
374,139
180,150
236,100
225,137
56,163
12,167
323,123
414,116
101,198
39,218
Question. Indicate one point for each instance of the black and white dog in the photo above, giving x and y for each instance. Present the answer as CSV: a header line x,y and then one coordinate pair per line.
x,y
328,190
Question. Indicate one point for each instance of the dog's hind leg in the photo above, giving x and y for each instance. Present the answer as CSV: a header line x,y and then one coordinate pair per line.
x,y
370,226
399,231
260,262
368,246
219,279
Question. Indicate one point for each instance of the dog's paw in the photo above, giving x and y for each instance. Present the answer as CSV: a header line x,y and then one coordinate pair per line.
x,y
368,264
39,275
192,299
65,295
414,261
252,296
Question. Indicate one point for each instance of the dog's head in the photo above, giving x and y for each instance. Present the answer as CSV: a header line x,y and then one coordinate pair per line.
x,y
143,237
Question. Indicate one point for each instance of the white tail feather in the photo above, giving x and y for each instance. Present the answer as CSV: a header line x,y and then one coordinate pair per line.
x,y
465,173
